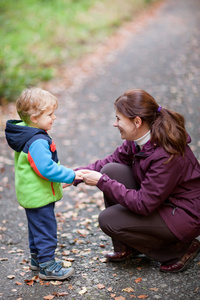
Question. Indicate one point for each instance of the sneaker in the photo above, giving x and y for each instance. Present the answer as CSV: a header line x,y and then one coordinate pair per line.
x,y
34,262
54,270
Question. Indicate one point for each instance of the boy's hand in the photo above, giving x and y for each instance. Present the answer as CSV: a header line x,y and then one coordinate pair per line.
x,y
78,176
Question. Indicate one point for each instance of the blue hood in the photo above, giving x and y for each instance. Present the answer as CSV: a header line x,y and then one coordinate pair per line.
x,y
18,133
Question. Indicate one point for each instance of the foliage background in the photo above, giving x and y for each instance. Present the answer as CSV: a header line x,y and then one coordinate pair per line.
x,y
39,35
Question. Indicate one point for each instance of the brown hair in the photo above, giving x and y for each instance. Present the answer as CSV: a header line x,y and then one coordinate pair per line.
x,y
167,127
34,101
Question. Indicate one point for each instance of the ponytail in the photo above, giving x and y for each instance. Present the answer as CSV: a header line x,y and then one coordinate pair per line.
x,y
168,130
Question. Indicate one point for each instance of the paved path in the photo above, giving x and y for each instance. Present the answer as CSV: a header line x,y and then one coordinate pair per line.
x,y
163,58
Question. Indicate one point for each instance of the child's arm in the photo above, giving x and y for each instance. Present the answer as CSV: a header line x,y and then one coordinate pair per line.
x,y
39,157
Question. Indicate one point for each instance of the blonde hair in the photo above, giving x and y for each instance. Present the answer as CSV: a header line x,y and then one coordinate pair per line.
x,y
33,102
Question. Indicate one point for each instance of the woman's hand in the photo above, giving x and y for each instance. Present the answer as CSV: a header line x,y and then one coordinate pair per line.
x,y
90,177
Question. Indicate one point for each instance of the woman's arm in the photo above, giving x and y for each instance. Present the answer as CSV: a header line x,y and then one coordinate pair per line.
x,y
159,182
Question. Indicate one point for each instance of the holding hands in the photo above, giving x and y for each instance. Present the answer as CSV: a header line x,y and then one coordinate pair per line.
x,y
89,177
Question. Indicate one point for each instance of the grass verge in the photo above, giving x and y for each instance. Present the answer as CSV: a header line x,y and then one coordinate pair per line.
x,y
37,36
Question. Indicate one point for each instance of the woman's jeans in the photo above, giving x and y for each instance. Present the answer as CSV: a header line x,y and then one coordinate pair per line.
x,y
147,234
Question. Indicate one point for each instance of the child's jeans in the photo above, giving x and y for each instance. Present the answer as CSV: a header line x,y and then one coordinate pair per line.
x,y
42,229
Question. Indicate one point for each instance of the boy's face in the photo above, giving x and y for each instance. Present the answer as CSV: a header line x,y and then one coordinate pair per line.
x,y
44,121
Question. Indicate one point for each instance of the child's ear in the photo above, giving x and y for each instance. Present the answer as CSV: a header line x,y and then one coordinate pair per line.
x,y
33,119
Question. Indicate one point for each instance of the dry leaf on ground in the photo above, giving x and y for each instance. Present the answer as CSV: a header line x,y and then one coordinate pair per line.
x,y
100,286
49,297
138,280
128,290
83,291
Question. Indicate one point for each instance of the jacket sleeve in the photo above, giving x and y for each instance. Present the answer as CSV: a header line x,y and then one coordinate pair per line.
x,y
159,182
39,157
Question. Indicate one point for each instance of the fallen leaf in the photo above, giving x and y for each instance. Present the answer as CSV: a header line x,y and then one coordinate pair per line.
x,y
120,298
70,259
11,276
83,291
49,297
3,258
29,282
112,295
18,283
60,294
109,289
103,260
128,290
70,287
36,278
154,289
83,232
143,296
56,282
65,253
26,268
138,280
67,264
100,286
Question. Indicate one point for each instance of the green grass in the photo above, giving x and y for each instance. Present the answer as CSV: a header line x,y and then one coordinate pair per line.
x,y
39,35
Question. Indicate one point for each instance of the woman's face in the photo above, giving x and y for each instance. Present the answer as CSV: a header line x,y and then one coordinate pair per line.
x,y
127,127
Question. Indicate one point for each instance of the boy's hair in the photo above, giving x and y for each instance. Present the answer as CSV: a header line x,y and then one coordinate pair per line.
x,y
34,101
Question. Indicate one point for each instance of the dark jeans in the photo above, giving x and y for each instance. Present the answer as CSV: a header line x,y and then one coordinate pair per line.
x,y
42,229
128,230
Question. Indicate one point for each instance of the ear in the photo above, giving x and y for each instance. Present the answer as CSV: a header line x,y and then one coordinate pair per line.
x,y
33,119
138,122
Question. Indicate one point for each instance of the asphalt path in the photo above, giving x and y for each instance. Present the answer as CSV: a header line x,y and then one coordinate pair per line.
x,y
162,57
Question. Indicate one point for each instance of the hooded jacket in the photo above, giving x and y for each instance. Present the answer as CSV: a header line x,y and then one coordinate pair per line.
x,y
38,173
172,188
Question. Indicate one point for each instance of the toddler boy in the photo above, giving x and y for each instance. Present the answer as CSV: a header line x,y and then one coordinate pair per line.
x,y
38,177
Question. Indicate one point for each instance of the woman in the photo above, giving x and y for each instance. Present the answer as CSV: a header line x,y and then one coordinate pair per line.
x,y
151,185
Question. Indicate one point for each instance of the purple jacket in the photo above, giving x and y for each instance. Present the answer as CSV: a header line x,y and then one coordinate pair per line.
x,y
172,188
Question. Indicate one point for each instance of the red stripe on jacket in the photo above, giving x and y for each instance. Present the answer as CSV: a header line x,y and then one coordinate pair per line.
x,y
33,165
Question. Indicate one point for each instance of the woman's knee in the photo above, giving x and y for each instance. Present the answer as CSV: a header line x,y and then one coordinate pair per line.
x,y
121,173
109,169
104,222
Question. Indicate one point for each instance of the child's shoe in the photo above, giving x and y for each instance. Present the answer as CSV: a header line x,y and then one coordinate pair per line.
x,y
34,262
53,269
